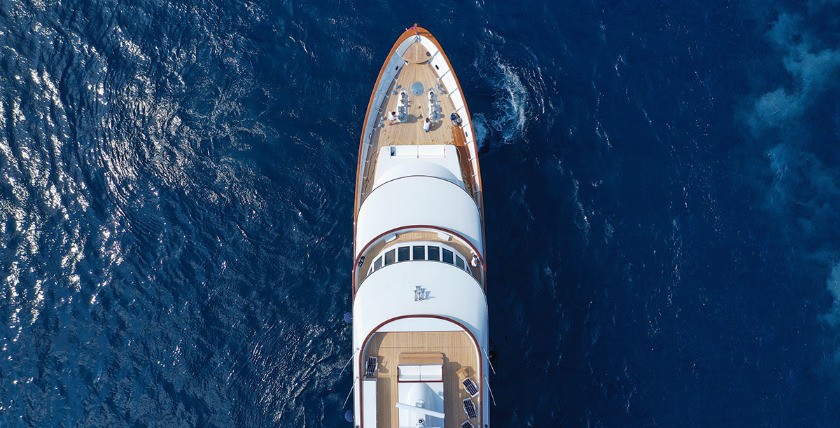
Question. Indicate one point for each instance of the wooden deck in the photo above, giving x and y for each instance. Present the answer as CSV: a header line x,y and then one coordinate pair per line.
x,y
417,54
458,352
410,131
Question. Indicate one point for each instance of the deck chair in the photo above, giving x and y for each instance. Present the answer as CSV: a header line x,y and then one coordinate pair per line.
x,y
371,366
434,110
469,408
467,424
470,386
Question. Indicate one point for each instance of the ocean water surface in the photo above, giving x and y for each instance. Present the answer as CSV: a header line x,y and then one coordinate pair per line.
x,y
662,207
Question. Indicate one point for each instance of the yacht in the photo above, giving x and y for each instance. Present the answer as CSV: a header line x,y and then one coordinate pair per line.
x,y
420,328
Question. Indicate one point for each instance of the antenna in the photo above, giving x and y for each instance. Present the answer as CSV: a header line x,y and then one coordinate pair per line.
x,y
351,359
493,397
354,386
488,360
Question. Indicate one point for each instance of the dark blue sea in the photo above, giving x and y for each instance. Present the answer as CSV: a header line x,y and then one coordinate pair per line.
x,y
662,190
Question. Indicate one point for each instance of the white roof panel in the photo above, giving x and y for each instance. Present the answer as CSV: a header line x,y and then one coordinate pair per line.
x,y
418,201
389,293
439,161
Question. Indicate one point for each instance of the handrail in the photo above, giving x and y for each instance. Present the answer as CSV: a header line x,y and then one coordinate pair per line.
x,y
417,227
470,273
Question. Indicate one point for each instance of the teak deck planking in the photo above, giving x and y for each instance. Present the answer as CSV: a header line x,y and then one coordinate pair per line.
x,y
458,352
410,132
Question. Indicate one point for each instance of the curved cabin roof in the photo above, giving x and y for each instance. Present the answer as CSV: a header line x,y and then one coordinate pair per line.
x,y
390,293
418,169
418,201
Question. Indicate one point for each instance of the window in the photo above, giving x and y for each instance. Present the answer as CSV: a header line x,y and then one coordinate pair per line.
x,y
459,262
403,254
419,252
434,253
447,256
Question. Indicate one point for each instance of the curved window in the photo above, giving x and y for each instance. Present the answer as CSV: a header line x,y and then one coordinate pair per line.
x,y
403,254
448,256
434,253
430,251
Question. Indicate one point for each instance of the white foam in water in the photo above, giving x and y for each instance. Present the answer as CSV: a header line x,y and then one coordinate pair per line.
x,y
812,69
801,176
833,284
479,122
512,105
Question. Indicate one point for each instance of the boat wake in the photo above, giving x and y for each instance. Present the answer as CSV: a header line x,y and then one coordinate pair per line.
x,y
513,103
517,98
479,122
801,168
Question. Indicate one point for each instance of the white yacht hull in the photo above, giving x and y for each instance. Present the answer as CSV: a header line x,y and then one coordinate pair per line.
x,y
420,320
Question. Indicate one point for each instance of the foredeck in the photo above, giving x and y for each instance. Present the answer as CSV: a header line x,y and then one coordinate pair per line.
x,y
458,351
416,78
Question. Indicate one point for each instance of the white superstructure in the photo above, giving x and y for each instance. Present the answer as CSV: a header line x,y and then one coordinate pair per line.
x,y
420,329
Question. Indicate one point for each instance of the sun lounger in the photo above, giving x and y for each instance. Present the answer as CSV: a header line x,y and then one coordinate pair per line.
x,y
402,107
470,386
469,408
